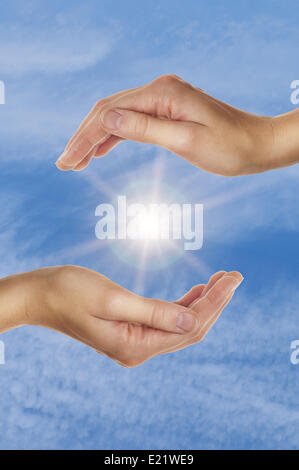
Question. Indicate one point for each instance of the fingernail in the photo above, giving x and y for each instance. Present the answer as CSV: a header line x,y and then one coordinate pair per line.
x,y
185,321
112,119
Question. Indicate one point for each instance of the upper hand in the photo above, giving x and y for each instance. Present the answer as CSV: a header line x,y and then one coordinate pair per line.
x,y
180,117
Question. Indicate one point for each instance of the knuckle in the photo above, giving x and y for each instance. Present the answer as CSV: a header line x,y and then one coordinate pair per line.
x,y
167,80
64,274
124,351
112,303
99,105
156,315
141,126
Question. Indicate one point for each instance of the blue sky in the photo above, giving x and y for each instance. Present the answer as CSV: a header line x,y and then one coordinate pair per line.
x,y
237,389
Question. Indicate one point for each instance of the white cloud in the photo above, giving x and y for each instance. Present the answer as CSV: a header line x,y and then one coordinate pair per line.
x,y
247,64
250,64
54,46
236,388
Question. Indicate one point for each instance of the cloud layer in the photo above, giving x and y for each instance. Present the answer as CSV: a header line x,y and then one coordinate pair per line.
x,y
235,390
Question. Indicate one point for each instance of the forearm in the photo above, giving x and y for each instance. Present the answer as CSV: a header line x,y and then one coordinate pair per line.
x,y
12,302
24,299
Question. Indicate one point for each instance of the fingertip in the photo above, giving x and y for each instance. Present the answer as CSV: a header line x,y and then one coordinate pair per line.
x,y
78,168
237,275
61,166
219,273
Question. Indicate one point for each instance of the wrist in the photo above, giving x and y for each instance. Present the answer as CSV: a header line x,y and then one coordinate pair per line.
x,y
286,138
274,142
40,297
260,154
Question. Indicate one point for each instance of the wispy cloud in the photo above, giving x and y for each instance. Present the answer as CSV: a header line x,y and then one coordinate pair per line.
x,y
237,389
232,60
234,390
54,46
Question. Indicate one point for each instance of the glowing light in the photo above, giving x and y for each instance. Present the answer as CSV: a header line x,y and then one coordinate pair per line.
x,y
146,250
148,225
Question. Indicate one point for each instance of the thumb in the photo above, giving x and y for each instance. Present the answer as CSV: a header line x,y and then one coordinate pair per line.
x,y
167,316
154,313
176,136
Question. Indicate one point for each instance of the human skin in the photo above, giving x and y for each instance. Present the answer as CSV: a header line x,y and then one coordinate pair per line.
x,y
182,118
90,308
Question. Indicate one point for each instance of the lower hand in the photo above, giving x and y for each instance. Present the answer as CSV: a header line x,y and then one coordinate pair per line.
x,y
126,327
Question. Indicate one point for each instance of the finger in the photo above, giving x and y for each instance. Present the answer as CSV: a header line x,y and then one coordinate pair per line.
x,y
199,290
176,136
208,308
88,133
213,279
98,151
85,162
95,110
122,305
190,296
209,304
108,145
199,337
213,319
91,135
205,289
188,300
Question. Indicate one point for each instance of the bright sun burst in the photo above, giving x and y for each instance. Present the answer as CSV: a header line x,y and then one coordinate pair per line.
x,y
148,225
149,252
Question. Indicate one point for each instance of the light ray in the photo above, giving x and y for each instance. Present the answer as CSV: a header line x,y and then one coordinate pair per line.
x,y
140,276
194,262
220,199
98,183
